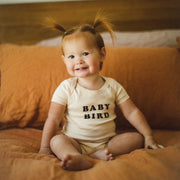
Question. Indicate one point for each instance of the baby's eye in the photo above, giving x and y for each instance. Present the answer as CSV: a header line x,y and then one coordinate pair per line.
x,y
71,57
85,53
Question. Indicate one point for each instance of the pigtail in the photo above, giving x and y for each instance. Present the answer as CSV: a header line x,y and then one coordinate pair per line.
x,y
51,23
58,27
101,20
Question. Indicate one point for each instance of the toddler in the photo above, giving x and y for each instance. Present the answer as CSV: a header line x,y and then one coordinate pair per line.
x,y
87,101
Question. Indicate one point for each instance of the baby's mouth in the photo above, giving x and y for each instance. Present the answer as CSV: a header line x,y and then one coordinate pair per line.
x,y
82,68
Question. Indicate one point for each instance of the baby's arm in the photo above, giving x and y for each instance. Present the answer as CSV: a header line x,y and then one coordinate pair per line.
x,y
55,116
137,119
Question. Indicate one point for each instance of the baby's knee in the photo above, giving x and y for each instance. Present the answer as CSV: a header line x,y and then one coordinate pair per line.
x,y
57,140
139,139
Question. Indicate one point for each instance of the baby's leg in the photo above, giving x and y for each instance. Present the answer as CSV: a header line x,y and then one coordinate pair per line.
x,y
125,143
68,150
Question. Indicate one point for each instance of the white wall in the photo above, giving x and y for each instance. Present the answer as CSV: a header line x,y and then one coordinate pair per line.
x,y
31,1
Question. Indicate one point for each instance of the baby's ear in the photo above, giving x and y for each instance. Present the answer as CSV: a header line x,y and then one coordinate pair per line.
x,y
103,53
62,56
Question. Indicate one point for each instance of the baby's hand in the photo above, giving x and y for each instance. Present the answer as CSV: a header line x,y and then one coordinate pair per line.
x,y
45,151
150,143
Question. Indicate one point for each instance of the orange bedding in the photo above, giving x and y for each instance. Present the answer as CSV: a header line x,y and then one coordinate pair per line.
x,y
30,74
19,160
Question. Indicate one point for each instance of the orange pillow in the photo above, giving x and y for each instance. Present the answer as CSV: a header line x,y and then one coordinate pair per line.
x,y
151,76
30,74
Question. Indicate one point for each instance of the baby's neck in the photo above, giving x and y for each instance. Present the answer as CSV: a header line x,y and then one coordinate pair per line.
x,y
91,83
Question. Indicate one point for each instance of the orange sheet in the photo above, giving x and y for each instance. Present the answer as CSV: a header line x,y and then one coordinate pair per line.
x,y
19,160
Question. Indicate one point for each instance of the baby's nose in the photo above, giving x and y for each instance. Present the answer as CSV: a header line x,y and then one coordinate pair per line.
x,y
79,60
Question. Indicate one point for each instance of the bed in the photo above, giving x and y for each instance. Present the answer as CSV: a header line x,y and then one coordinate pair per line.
x,y
31,68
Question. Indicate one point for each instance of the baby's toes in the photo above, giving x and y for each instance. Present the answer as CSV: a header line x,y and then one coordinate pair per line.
x,y
106,152
110,157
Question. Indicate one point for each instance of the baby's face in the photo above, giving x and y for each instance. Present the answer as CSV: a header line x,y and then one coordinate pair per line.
x,y
81,54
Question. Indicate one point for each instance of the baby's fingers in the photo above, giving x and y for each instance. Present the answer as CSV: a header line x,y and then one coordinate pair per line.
x,y
160,146
155,146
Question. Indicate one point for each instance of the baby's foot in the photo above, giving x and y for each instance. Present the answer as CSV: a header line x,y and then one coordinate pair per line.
x,y
75,163
102,154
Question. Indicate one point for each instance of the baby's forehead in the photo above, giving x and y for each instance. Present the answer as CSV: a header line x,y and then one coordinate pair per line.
x,y
80,37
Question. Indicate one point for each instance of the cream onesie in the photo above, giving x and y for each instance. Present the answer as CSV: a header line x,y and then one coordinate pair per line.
x,y
90,113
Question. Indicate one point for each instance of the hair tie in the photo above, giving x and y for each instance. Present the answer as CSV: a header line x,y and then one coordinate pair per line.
x,y
59,27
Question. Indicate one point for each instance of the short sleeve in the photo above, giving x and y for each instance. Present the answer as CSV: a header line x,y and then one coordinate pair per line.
x,y
120,93
60,95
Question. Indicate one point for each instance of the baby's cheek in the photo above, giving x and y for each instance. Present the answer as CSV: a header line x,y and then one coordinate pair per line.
x,y
70,70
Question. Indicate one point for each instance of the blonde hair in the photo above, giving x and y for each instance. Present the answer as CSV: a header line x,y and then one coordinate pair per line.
x,y
99,21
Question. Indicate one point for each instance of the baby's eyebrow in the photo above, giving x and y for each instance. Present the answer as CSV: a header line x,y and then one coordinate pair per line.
x,y
70,54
